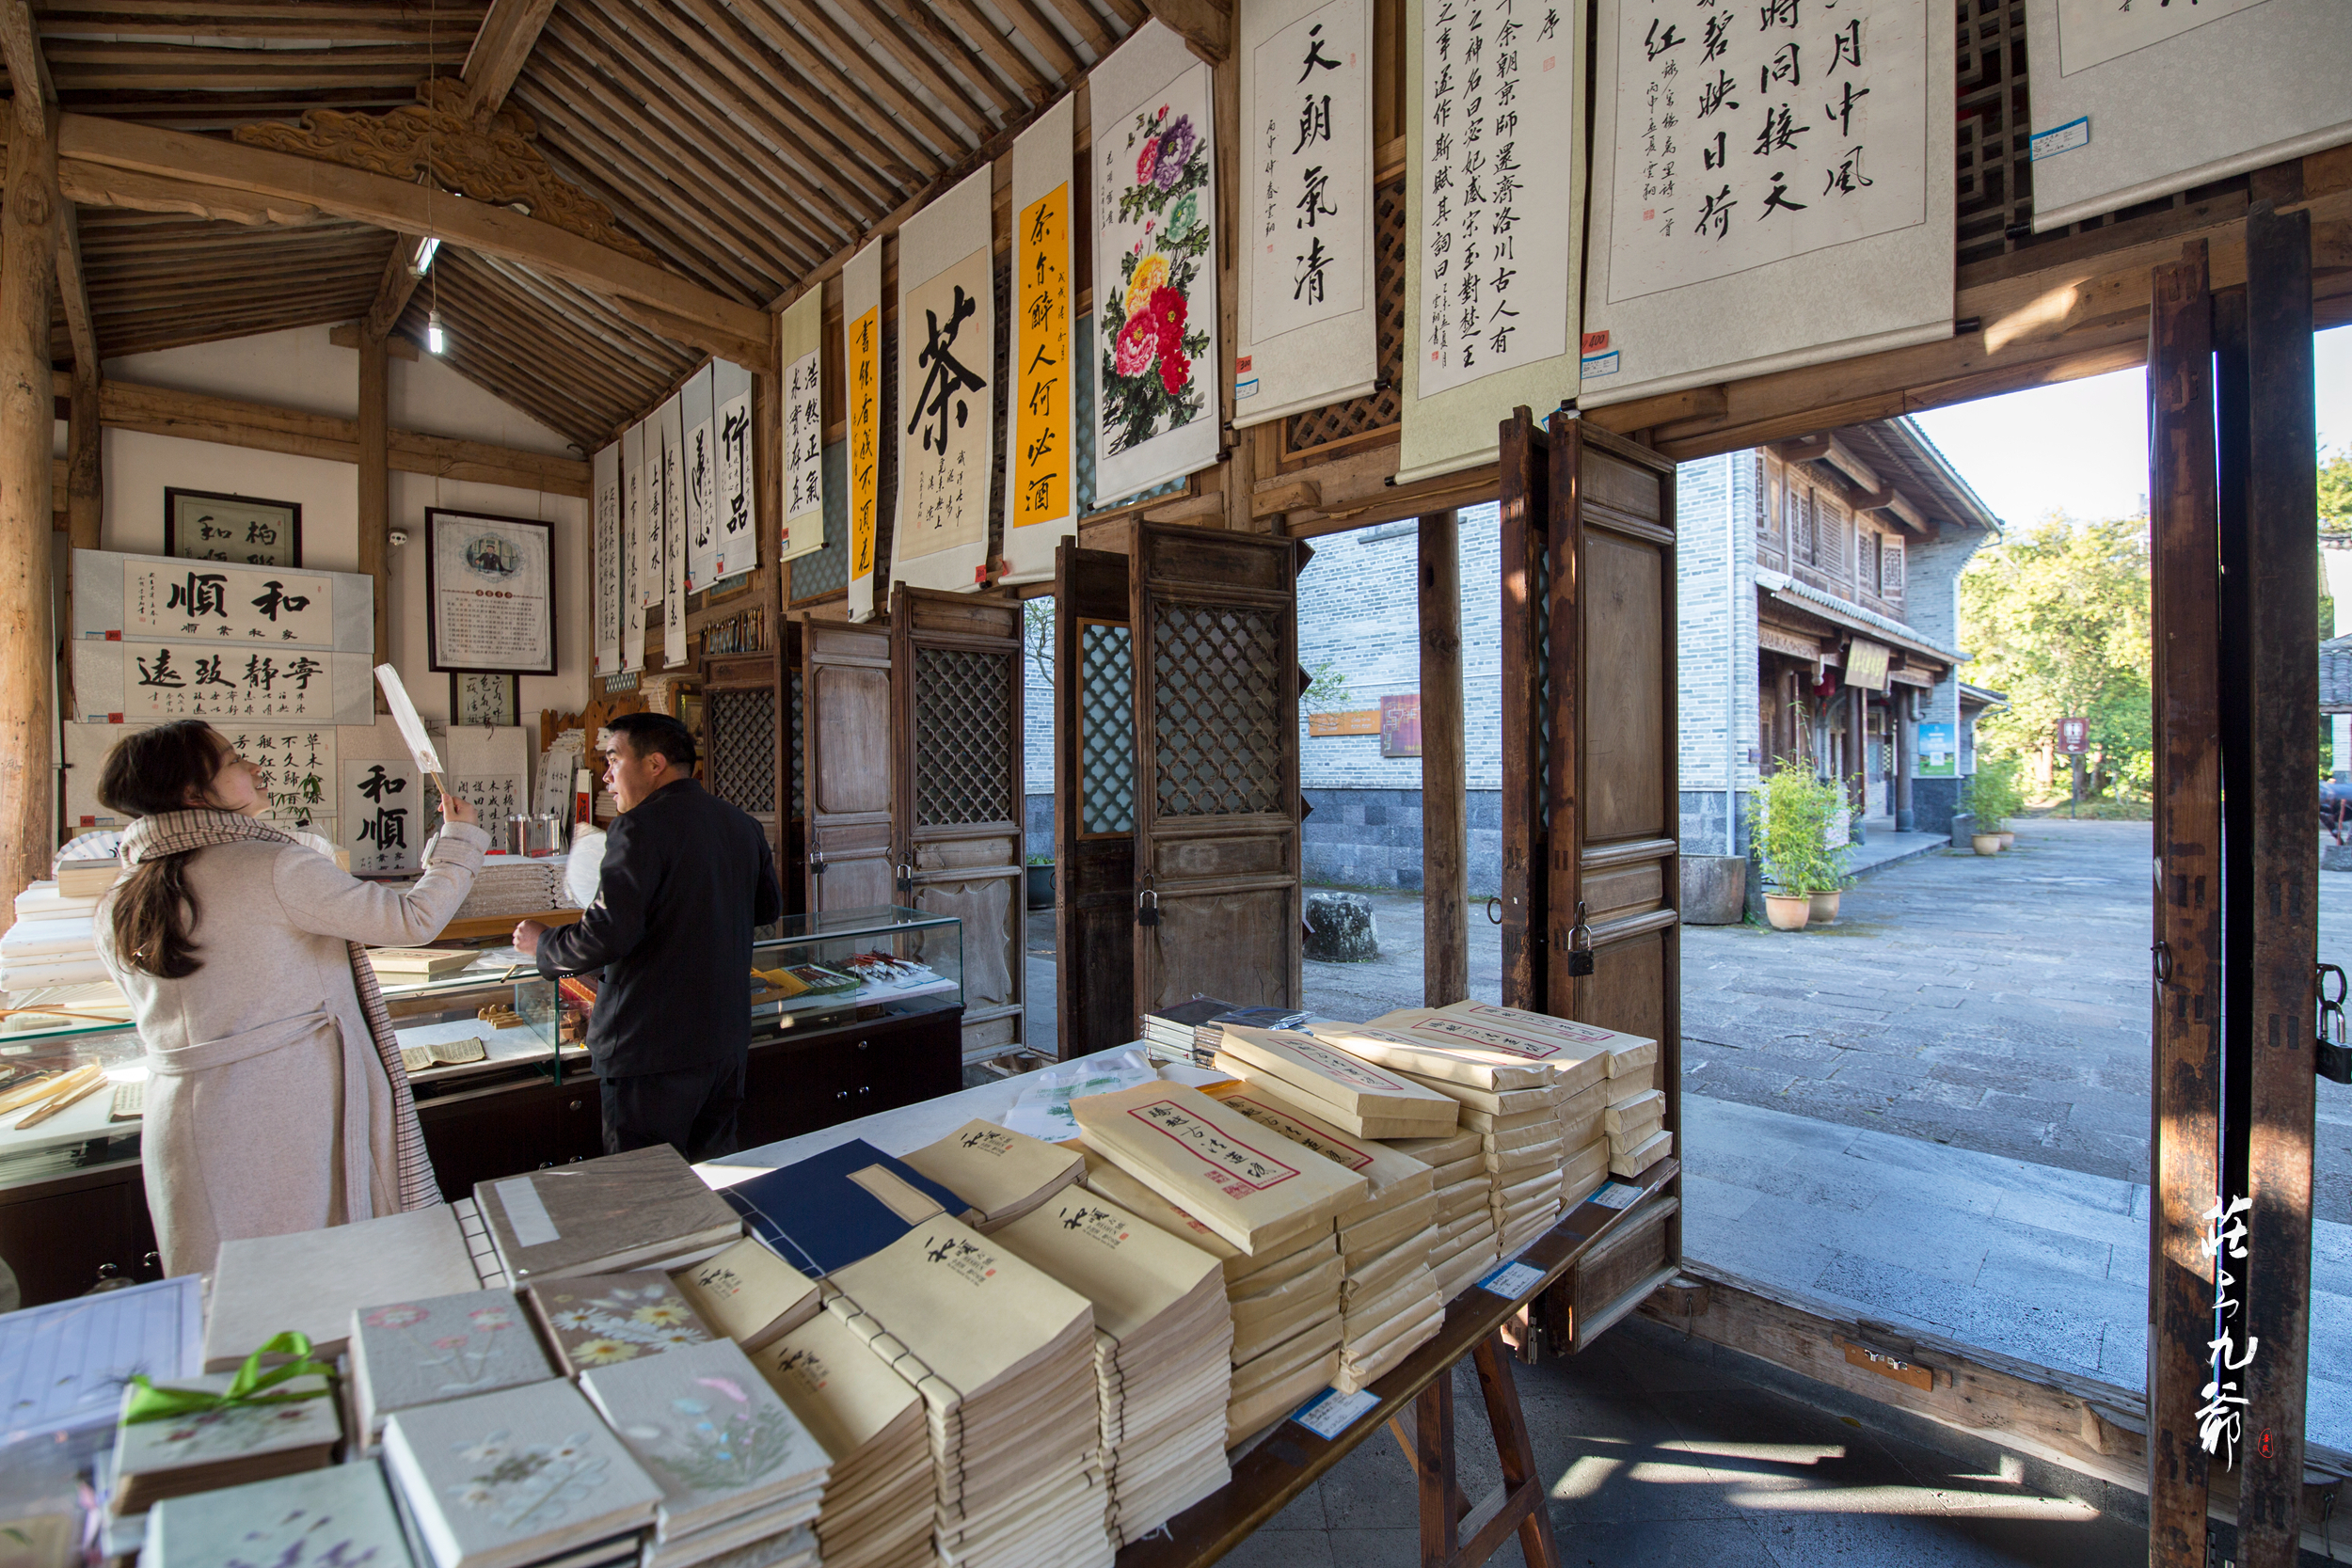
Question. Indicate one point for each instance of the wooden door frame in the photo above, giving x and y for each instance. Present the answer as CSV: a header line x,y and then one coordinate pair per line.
x,y
1075,868
827,644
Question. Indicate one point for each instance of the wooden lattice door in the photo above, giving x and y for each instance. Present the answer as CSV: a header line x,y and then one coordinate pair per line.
x,y
846,763
1216,803
747,747
1094,801
956,694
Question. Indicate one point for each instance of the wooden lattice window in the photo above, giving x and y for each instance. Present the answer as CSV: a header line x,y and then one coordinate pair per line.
x,y
1763,500
1379,409
1866,557
1891,568
1217,717
742,724
1796,505
1829,537
963,737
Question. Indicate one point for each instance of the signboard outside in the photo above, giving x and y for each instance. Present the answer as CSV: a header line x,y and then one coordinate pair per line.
x,y
2073,736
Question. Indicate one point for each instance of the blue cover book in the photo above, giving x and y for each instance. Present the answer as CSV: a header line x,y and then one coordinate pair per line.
x,y
830,1210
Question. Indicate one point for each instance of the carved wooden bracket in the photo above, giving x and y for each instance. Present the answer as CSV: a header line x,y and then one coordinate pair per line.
x,y
434,139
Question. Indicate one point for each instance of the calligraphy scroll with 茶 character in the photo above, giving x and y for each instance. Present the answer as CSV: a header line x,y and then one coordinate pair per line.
x,y
945,417
1769,189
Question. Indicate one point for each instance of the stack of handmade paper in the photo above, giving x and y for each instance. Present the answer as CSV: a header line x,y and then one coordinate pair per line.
x,y
1628,1069
1001,1175
1346,1091
1464,1245
312,1281
51,941
406,1354
1004,1357
735,1464
1263,1197
508,886
1390,1303
642,1209
879,1497
528,1474
1162,1344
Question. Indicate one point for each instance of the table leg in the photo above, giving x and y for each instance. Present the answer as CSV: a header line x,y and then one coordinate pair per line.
x,y
1520,1504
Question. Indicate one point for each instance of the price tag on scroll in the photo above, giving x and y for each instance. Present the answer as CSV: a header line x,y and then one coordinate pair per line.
x,y
420,747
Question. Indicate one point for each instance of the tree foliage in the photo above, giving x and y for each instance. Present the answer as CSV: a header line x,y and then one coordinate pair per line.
x,y
2335,493
2057,615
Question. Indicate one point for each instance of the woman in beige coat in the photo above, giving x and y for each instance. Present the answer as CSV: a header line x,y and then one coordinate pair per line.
x,y
275,1101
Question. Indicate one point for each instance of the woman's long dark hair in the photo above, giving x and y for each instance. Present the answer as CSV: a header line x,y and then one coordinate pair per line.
x,y
147,773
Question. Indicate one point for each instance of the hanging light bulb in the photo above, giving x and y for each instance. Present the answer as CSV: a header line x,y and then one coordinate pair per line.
x,y
434,340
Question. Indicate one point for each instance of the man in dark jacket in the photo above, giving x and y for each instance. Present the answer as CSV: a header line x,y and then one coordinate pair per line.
x,y
686,877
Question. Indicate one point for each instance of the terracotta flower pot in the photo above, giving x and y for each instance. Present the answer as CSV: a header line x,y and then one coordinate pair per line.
x,y
1786,912
2008,840
1823,906
1985,844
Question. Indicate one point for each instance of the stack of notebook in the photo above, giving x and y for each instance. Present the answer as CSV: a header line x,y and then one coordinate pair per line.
x,y
210,1449
1349,1092
1001,1175
1465,1221
748,1294
643,1208
524,1475
314,1280
828,1211
1390,1303
341,1515
878,1501
1004,1357
603,1320
735,1464
1162,1342
406,1354
1171,1028
1283,1302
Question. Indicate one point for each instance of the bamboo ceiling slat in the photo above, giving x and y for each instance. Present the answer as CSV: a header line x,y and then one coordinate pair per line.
x,y
877,99
810,20
509,367
603,346
993,43
919,19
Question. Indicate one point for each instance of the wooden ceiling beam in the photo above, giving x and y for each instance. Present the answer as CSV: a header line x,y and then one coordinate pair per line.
x,y
352,23
885,29
1061,61
19,47
1206,25
918,17
1131,13
1088,26
74,289
747,70
876,96
96,185
500,46
396,204
1030,82
398,281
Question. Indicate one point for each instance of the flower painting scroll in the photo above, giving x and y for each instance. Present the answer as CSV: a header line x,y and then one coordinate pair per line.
x,y
1156,404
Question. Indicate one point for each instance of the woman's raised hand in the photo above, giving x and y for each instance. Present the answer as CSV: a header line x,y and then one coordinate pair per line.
x,y
457,808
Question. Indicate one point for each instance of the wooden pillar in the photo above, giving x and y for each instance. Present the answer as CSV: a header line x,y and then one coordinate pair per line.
x,y
376,488
1857,769
1906,756
1444,827
28,642
84,474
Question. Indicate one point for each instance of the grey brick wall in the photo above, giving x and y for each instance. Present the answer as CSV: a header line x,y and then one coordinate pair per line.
x,y
1371,838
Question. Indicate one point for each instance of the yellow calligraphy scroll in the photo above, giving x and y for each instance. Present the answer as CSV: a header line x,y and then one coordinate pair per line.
x,y
865,355
1041,436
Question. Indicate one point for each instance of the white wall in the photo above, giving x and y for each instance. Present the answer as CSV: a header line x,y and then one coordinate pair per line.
x,y
300,369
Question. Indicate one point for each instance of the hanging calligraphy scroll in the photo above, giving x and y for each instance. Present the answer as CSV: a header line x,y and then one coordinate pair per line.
x,y
1156,408
698,473
945,423
800,333
670,420
635,521
607,471
1041,465
1494,187
1309,331
738,540
1761,189
2132,102
652,571
861,332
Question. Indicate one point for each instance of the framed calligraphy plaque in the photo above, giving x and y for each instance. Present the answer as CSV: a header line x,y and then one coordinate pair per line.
x,y
200,525
489,593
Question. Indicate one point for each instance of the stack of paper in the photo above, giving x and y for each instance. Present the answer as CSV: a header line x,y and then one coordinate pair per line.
x,y
313,1281
1464,1245
508,886
1346,1091
408,1354
34,954
1003,1359
643,1208
1001,1175
1587,1142
1390,1303
1171,1028
832,1208
748,1294
603,1320
1216,1165
879,1497
735,1464
339,1516
1163,1338
1629,1065
528,1474
228,1446
1283,1302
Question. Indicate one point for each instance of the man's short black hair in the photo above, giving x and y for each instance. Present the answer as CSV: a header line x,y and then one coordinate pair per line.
x,y
649,733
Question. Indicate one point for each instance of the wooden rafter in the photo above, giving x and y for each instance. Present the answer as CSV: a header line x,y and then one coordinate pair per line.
x,y
401,279
1206,25
883,29
840,66
927,24
720,324
20,46
500,46
995,45
74,289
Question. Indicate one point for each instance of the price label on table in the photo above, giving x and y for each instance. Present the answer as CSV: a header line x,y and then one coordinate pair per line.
x,y
1615,1195
1330,1413
1512,1280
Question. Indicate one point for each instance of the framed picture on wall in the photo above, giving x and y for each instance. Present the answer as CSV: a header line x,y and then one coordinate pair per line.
x,y
200,525
479,699
489,593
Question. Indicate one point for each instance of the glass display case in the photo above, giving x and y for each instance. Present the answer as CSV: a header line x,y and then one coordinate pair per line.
x,y
822,970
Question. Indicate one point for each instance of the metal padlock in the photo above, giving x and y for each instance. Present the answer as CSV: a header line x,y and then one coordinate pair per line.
x,y
1147,914
906,878
1579,958
2334,1056
816,861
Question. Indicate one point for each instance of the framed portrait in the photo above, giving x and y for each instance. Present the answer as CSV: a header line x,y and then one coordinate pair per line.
x,y
200,525
477,698
489,593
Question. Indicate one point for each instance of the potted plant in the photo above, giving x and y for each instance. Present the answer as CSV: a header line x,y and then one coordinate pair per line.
x,y
1786,822
1994,797
1040,873
1829,878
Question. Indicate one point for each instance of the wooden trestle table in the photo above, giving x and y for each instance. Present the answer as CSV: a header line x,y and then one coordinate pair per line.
x,y
1454,1532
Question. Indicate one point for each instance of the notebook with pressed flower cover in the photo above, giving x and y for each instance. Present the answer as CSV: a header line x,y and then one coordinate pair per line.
x,y
340,1514
603,1320
405,1353
711,1431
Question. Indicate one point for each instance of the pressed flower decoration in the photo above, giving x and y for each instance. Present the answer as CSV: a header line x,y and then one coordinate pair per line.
x,y
461,1348
522,1487
716,1442
1148,381
622,1322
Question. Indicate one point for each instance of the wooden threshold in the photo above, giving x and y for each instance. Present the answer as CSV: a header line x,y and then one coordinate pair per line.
x,y
2095,1428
